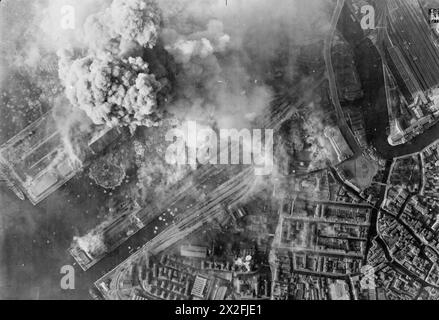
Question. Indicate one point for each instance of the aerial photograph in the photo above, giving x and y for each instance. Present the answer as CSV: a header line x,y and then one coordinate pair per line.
x,y
219,150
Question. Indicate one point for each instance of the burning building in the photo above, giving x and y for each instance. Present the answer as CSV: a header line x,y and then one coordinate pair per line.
x,y
38,161
92,247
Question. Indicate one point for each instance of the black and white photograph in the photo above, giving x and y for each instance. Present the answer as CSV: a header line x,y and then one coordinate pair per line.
x,y
219,155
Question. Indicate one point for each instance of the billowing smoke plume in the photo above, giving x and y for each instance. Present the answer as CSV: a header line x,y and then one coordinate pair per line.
x,y
112,87
229,59
232,56
73,126
112,91
91,243
213,83
125,23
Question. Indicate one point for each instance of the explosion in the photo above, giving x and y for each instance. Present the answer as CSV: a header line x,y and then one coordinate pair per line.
x,y
115,92
214,84
108,83
125,24
136,21
198,45
92,243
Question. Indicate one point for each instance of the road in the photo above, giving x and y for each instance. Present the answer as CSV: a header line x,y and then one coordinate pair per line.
x,y
229,193
346,131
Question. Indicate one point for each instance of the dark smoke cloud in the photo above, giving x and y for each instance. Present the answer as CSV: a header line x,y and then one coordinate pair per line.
x,y
110,85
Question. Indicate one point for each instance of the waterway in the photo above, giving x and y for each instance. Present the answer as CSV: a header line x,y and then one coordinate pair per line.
x,y
34,242
373,104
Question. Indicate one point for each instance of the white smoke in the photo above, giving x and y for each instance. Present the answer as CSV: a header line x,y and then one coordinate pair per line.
x,y
226,53
92,243
212,82
72,125
124,24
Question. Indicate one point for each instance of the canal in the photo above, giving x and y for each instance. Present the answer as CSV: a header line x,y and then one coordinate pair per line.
x,y
373,104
